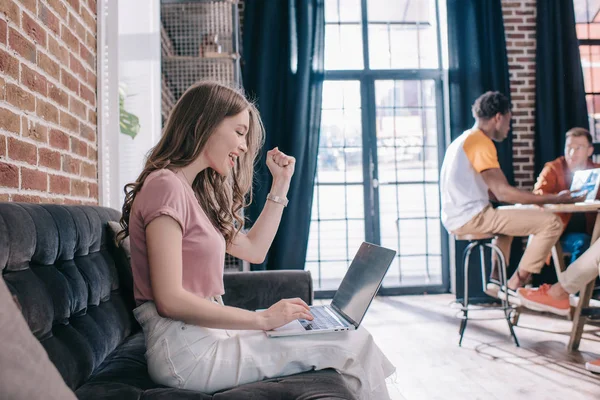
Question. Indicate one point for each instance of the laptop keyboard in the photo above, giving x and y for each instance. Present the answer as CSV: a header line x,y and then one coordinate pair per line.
x,y
322,320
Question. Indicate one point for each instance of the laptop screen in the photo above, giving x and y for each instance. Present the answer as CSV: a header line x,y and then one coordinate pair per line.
x,y
362,281
586,181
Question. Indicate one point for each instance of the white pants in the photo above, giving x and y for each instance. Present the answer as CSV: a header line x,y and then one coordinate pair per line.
x,y
209,360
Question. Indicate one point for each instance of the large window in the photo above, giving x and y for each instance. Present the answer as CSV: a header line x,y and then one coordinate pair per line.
x,y
587,18
379,151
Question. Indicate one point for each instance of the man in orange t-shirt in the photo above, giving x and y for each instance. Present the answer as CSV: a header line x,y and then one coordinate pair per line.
x,y
557,176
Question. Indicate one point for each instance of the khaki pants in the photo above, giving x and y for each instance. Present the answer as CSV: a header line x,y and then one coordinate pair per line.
x,y
583,270
544,229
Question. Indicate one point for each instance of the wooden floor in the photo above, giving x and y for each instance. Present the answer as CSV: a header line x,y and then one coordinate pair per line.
x,y
419,334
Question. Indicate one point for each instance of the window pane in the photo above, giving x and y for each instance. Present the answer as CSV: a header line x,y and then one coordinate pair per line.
x,y
343,47
587,17
402,47
333,240
434,238
586,10
340,143
412,237
402,34
406,11
341,94
342,11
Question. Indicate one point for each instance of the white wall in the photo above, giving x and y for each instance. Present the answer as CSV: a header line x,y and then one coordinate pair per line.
x,y
139,72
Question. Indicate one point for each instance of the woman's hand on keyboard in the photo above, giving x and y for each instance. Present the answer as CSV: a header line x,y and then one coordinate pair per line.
x,y
283,312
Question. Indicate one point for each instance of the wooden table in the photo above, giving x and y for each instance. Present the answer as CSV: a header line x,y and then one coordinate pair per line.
x,y
585,294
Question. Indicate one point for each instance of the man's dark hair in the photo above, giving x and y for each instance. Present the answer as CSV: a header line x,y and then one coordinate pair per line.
x,y
580,132
489,104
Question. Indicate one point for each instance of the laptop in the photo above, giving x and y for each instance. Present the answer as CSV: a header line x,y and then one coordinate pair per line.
x,y
586,182
351,300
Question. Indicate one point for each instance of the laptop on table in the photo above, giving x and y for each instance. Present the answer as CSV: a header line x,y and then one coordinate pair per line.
x,y
351,300
586,182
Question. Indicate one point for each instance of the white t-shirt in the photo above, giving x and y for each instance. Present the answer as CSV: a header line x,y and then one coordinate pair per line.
x,y
463,190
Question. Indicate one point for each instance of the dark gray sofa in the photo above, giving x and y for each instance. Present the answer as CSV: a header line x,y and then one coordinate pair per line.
x,y
75,290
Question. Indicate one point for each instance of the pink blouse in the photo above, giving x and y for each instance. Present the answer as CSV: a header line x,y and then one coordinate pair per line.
x,y
165,192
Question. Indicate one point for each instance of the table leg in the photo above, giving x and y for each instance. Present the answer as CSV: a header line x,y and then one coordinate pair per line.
x,y
585,296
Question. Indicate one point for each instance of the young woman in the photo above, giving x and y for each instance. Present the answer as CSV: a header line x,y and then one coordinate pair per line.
x,y
182,215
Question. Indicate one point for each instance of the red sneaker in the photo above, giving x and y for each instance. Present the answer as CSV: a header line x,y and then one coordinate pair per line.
x,y
593,366
539,300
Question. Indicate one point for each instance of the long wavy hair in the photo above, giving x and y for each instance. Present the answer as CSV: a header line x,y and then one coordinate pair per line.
x,y
191,122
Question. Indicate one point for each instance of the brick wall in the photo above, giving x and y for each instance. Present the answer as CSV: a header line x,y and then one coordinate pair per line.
x,y
519,24
48,149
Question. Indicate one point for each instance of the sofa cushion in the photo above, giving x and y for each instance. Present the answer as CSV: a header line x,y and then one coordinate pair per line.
x,y
57,261
124,375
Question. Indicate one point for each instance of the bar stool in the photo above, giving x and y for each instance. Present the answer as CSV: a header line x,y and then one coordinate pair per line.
x,y
480,240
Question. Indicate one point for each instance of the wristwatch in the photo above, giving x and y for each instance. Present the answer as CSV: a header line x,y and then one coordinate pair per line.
x,y
277,199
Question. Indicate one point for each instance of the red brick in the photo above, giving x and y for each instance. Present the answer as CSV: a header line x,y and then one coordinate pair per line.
x,y
79,188
22,151
59,7
34,180
49,66
2,89
9,121
49,19
69,122
89,19
21,45
33,30
69,38
78,108
89,170
513,20
526,28
69,81
90,40
34,130
9,65
58,51
78,147
91,78
87,133
58,95
3,31
59,139
92,5
2,146
46,111
87,56
20,98
72,202
30,5
94,190
11,10
9,175
92,118
87,95
4,197
34,80
25,198
76,27
71,165
92,153
49,158
60,184
74,4
76,66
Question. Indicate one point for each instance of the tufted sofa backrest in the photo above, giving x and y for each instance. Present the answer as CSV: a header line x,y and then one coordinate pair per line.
x,y
62,267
